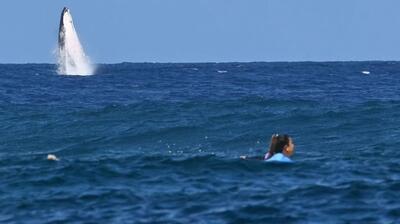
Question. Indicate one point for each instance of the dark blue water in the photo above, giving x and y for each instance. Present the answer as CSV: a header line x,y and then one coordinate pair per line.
x,y
160,143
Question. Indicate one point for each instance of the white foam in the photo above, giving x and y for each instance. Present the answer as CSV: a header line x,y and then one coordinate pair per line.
x,y
72,59
366,72
52,157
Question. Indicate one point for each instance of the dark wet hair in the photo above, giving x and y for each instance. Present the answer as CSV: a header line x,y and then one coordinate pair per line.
x,y
278,142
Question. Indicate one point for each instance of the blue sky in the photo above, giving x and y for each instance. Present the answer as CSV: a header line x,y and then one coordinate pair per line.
x,y
205,30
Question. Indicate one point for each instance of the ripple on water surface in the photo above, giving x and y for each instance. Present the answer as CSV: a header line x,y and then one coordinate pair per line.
x,y
159,143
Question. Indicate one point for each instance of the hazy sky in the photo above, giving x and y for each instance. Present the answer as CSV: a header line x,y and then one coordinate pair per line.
x,y
205,30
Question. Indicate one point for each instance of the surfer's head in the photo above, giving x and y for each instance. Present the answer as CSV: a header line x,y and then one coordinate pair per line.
x,y
281,144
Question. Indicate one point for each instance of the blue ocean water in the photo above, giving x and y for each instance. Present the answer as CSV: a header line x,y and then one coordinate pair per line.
x,y
160,143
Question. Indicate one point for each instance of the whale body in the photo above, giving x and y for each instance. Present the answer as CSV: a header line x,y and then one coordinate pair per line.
x,y
72,59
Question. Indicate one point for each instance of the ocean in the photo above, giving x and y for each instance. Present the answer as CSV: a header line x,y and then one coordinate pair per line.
x,y
160,143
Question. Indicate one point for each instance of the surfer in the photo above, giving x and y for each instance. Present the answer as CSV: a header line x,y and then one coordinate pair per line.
x,y
282,144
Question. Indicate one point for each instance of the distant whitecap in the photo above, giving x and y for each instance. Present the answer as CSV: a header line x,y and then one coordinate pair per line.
x,y
366,72
52,157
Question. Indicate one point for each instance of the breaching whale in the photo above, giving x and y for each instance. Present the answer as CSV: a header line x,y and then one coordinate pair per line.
x,y
72,59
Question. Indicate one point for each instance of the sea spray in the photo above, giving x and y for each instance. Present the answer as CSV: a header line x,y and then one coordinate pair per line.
x,y
72,59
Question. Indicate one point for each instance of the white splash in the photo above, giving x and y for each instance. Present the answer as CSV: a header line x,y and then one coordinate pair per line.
x,y
72,59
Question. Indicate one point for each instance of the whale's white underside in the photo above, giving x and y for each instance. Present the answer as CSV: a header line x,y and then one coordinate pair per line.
x,y
72,59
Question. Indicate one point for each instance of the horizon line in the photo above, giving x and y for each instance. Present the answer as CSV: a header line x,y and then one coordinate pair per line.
x,y
209,62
